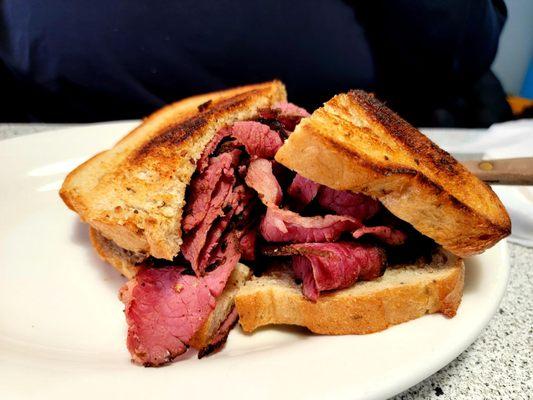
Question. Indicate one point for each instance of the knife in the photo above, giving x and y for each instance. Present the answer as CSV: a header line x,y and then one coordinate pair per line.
x,y
506,171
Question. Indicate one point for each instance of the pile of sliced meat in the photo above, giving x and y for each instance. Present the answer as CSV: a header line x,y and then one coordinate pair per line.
x,y
323,247
240,200
166,306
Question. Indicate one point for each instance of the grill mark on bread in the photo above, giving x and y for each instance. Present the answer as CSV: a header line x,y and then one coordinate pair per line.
x,y
418,144
173,135
387,171
205,106
177,133
421,199
406,133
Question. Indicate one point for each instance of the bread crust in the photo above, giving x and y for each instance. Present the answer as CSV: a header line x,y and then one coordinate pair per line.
x,y
134,193
356,143
400,295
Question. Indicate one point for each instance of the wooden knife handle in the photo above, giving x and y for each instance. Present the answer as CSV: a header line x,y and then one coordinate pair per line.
x,y
507,171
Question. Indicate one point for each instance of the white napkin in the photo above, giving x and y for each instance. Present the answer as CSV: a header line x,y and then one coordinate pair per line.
x,y
506,140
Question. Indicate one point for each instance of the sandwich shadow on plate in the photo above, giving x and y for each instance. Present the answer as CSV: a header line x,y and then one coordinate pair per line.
x,y
294,330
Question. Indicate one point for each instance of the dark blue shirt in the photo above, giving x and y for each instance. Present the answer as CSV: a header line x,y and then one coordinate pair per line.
x,y
73,60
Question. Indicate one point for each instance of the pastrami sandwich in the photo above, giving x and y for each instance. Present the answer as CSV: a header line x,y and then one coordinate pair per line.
x,y
351,219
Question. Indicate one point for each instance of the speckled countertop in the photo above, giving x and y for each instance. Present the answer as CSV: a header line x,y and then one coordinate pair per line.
x,y
498,365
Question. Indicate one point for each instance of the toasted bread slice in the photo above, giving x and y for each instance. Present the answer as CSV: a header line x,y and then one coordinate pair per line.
x,y
134,194
128,264
356,143
124,261
403,293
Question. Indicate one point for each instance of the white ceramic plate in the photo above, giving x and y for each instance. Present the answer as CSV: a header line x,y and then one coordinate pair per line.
x,y
62,332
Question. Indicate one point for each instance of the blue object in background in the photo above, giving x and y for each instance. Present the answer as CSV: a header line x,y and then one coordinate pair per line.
x,y
67,60
527,87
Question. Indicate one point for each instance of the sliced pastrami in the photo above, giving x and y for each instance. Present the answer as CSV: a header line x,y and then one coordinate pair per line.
x,y
286,109
194,241
302,190
386,234
330,266
233,205
203,187
288,114
247,243
258,139
224,259
279,225
164,309
260,178
344,202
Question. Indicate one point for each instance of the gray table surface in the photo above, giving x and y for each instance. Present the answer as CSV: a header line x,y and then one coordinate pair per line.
x,y
498,365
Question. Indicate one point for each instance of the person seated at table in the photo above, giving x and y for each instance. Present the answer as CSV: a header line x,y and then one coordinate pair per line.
x,y
76,61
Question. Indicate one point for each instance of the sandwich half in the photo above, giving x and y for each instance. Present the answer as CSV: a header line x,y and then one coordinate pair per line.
x,y
167,206
356,143
354,147
349,211
134,193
